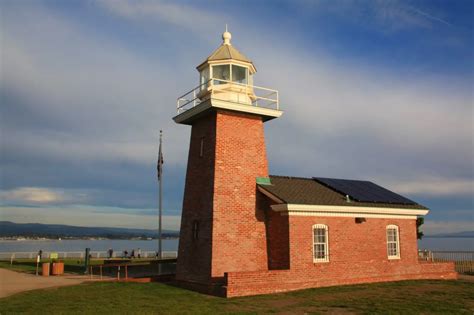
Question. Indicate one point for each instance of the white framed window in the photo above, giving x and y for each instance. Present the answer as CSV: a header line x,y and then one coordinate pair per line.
x,y
393,242
320,243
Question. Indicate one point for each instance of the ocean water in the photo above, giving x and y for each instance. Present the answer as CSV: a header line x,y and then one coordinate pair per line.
x,y
431,243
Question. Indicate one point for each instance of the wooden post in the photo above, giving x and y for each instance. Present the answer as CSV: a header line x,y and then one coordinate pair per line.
x,y
100,272
126,272
118,273
90,271
37,263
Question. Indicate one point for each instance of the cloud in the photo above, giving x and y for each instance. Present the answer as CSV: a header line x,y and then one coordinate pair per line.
x,y
192,18
31,195
352,121
436,187
431,17
439,227
57,96
82,107
382,15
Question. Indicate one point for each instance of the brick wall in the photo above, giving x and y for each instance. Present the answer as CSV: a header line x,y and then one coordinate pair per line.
x,y
278,246
239,239
194,256
273,281
350,242
357,254
220,193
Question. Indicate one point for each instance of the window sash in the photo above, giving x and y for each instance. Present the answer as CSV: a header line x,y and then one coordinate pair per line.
x,y
320,243
393,243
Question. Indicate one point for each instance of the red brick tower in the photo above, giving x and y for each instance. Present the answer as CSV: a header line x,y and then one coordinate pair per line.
x,y
221,228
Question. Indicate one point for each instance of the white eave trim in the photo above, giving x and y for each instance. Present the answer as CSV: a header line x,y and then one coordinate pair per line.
x,y
300,209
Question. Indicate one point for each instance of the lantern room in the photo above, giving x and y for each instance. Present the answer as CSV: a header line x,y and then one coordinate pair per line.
x,y
226,81
227,73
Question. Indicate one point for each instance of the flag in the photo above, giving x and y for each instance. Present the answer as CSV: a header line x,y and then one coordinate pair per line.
x,y
159,163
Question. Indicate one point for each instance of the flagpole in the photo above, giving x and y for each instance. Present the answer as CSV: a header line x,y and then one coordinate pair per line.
x,y
160,196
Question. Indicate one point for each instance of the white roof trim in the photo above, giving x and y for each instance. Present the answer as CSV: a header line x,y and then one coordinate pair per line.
x,y
347,215
344,209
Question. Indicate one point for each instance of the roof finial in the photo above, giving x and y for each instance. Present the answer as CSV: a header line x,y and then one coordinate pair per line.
x,y
226,36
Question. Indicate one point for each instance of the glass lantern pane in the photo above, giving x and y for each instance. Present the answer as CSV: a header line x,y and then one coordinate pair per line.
x,y
221,72
204,78
239,74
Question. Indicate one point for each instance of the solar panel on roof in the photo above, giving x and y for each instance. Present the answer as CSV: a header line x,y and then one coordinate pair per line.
x,y
363,191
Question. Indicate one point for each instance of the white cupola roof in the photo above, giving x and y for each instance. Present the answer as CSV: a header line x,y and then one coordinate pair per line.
x,y
226,52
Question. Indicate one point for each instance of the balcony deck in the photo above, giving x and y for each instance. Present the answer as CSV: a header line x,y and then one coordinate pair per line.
x,y
233,96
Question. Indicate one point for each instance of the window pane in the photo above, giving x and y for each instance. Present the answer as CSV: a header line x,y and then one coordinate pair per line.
x,y
392,235
239,74
392,242
320,251
221,72
320,243
204,77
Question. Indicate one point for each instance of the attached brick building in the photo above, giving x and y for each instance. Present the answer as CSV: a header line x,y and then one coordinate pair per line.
x,y
244,232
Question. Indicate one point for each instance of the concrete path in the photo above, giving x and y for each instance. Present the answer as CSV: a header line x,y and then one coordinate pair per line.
x,y
12,282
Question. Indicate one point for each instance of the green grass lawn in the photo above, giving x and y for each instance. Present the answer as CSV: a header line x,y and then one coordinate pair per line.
x,y
406,297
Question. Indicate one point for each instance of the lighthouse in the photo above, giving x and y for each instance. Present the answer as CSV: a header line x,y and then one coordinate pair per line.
x,y
245,232
222,229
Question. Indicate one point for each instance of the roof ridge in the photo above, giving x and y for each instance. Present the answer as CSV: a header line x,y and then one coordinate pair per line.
x,y
357,180
230,51
292,177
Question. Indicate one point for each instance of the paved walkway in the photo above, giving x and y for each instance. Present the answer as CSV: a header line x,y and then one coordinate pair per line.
x,y
12,282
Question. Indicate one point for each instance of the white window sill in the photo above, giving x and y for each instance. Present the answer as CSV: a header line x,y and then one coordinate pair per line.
x,y
394,258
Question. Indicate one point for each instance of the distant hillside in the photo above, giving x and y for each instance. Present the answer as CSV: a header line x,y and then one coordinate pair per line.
x,y
10,229
458,234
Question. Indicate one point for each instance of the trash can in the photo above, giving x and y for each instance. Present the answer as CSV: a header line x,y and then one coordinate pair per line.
x,y
58,269
45,270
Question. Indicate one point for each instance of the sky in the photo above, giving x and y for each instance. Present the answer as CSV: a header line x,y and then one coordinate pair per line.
x,y
371,90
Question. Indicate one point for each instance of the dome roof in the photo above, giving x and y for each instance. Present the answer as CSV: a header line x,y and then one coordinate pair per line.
x,y
226,52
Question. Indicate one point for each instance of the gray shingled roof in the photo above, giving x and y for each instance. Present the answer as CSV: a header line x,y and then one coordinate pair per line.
x,y
226,52
297,190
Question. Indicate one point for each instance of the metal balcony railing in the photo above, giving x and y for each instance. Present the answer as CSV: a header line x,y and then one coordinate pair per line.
x,y
250,95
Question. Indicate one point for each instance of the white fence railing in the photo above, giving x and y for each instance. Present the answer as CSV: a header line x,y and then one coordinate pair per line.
x,y
258,96
80,254
463,260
